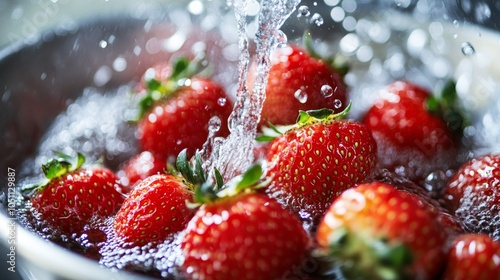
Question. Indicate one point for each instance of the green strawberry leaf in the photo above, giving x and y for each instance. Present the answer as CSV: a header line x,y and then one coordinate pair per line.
x,y
54,168
269,133
182,69
307,41
219,181
153,84
448,107
183,166
250,177
313,116
205,193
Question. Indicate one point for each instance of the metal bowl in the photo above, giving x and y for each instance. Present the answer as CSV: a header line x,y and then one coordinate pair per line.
x,y
41,75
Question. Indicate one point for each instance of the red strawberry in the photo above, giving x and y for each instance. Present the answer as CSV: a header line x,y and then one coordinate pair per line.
x,y
473,256
74,196
238,234
412,138
177,109
298,80
473,195
248,236
313,163
452,225
374,231
140,167
156,208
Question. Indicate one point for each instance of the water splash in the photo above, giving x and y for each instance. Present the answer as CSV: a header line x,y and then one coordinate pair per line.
x,y
234,154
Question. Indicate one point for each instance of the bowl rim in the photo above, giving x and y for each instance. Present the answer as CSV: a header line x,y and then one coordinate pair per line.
x,y
34,250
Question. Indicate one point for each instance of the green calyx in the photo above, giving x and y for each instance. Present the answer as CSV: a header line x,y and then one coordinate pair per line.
x,y
304,118
182,70
55,168
366,257
338,63
447,107
205,190
321,115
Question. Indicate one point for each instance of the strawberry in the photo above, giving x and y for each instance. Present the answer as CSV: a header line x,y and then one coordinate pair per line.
x,y
473,256
73,196
314,162
450,224
300,80
375,231
155,209
415,131
242,235
177,108
473,195
140,167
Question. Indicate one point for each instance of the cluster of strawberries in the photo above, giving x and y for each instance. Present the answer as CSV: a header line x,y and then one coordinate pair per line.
x,y
348,193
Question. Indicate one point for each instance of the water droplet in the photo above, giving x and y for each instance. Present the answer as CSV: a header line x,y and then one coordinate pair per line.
x,y
482,12
317,19
281,38
103,44
222,101
337,104
102,76
301,96
468,49
403,3
435,182
327,90
120,64
303,11
214,123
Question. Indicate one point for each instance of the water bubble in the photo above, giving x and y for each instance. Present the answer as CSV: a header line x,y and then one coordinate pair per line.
x,y
337,14
482,12
103,44
403,3
337,104
281,38
120,64
327,90
221,101
17,13
301,96
195,7
435,182
467,49
214,124
317,19
102,76
303,11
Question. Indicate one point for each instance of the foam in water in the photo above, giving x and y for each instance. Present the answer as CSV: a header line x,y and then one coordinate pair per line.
x,y
96,125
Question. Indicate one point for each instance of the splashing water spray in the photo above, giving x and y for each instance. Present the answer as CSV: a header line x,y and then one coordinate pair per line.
x,y
234,154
